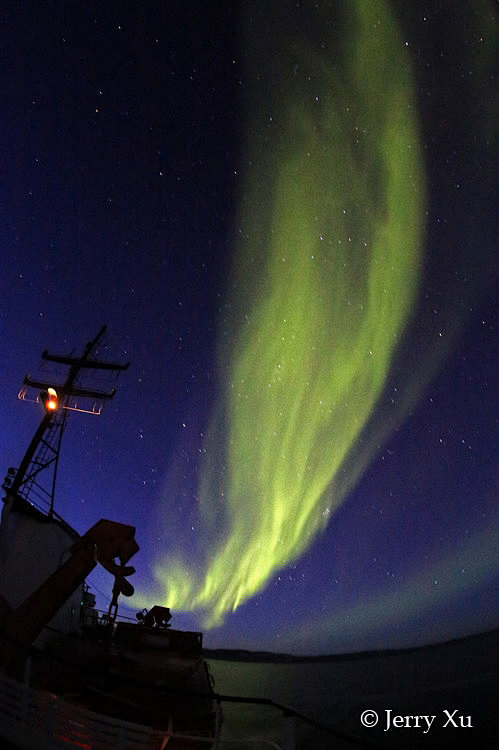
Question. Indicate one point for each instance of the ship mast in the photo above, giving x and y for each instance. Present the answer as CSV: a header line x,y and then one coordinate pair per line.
x,y
72,395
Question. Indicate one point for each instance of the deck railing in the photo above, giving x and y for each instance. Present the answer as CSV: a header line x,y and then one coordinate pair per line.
x,y
32,718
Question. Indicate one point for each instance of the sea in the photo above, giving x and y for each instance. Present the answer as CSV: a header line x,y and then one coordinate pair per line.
x,y
443,696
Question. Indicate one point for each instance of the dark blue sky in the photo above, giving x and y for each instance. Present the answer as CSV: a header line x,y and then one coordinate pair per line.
x,y
121,145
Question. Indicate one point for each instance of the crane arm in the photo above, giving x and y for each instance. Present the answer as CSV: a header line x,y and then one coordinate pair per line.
x,y
103,543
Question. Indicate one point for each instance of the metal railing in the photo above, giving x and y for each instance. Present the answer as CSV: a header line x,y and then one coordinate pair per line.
x,y
34,718
290,717
31,718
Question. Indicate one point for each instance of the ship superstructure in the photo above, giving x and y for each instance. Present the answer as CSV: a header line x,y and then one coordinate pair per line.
x,y
58,656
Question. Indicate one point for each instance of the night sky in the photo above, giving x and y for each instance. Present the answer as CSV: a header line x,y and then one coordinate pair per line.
x,y
284,213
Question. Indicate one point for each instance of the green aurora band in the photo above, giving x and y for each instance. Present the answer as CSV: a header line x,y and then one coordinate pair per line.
x,y
330,236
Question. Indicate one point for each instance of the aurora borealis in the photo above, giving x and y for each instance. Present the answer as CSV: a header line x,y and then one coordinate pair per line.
x,y
322,292
284,214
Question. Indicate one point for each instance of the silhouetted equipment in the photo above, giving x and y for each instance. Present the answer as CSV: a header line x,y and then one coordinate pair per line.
x,y
105,541
57,399
158,617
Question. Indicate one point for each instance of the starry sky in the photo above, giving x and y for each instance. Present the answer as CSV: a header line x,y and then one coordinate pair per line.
x,y
284,214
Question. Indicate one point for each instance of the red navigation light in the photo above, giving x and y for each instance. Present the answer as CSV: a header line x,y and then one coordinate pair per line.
x,y
50,399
